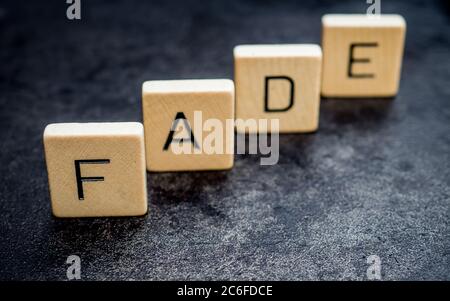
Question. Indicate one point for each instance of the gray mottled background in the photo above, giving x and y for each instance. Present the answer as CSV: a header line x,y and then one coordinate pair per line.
x,y
373,180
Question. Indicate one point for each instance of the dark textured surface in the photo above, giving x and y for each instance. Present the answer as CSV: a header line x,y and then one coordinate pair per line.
x,y
373,180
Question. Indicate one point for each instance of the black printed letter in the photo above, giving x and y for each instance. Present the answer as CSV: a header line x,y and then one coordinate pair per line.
x,y
81,179
360,60
180,116
266,93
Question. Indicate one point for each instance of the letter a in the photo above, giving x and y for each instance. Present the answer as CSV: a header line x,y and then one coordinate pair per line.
x,y
74,10
74,270
180,117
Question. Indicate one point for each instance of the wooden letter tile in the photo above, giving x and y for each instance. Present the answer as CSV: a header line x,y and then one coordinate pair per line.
x,y
278,82
96,169
189,124
362,55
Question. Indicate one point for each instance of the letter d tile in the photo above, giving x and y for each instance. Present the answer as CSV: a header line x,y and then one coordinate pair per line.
x,y
278,82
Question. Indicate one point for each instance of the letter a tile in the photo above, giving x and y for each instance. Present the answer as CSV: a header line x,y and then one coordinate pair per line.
x,y
96,169
189,124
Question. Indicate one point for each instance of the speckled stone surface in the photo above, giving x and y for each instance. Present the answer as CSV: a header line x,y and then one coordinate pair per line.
x,y
373,180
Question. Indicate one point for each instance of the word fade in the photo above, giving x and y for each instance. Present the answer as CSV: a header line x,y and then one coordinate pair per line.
x,y
99,169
